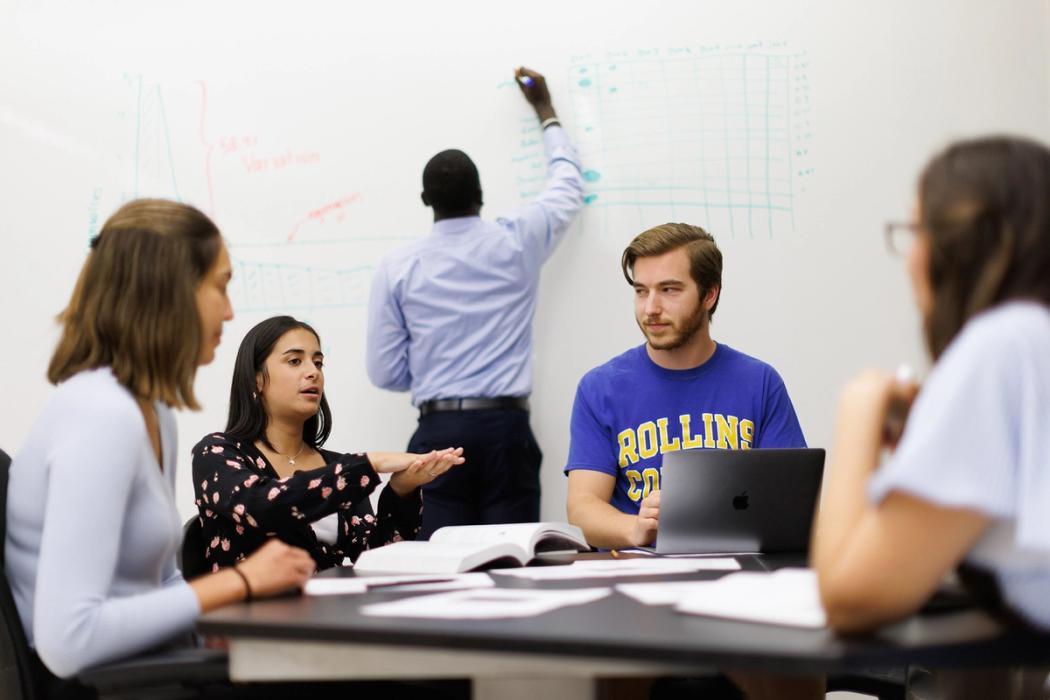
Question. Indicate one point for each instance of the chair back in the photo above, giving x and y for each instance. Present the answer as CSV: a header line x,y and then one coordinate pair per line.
x,y
191,556
16,676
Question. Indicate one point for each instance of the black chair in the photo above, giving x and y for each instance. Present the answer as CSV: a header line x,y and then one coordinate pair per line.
x,y
169,674
191,555
16,680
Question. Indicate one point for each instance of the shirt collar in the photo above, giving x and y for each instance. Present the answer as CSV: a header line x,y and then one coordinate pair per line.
x,y
460,224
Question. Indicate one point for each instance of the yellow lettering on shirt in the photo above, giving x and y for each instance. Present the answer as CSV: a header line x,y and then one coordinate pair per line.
x,y
688,441
709,430
651,481
747,433
666,444
727,435
628,448
648,445
633,480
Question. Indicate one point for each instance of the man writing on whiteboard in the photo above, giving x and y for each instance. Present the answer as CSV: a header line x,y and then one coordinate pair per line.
x,y
679,390
450,319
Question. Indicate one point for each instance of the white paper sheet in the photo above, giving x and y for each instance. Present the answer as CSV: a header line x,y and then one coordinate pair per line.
x,y
612,568
785,597
493,603
663,593
408,582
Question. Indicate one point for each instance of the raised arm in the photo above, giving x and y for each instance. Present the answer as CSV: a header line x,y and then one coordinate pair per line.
x,y
879,562
544,220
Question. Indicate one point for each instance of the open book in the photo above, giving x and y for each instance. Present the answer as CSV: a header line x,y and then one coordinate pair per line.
x,y
471,547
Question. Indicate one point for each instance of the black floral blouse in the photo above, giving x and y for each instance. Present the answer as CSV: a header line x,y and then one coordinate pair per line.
x,y
243,502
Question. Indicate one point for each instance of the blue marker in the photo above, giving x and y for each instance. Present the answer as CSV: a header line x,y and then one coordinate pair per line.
x,y
525,80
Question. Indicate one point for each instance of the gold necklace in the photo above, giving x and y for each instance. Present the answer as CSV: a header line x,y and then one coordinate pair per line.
x,y
291,460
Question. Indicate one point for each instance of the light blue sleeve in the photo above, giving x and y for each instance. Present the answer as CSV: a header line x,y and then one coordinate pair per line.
x,y
960,444
542,223
93,465
386,352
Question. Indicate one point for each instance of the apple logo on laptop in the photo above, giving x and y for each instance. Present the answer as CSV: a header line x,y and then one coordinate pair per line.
x,y
740,502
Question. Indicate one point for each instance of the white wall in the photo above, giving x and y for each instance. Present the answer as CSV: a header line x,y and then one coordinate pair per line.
x,y
312,122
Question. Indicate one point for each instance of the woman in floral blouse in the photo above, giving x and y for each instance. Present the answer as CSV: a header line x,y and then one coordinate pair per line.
x,y
267,475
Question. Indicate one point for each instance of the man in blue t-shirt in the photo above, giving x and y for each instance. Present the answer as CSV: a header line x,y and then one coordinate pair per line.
x,y
680,390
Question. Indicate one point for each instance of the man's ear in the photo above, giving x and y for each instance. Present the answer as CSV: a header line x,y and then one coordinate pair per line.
x,y
426,201
711,298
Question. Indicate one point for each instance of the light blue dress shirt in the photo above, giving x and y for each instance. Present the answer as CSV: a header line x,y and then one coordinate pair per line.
x,y
450,315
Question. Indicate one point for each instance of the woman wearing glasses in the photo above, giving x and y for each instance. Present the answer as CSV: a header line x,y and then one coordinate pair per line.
x,y
967,485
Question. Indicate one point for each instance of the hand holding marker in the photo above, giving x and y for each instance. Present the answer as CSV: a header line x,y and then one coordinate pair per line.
x,y
534,88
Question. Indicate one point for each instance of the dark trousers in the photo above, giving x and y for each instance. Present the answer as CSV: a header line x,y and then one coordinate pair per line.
x,y
500,480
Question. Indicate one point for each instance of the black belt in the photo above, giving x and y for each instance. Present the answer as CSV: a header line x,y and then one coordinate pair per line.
x,y
519,403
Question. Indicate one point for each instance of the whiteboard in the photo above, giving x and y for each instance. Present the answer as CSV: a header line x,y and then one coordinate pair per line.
x,y
791,131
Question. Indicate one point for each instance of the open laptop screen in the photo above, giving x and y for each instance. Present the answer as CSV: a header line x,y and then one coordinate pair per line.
x,y
760,500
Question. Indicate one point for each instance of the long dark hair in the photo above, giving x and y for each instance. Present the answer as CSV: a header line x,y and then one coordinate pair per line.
x,y
247,421
985,205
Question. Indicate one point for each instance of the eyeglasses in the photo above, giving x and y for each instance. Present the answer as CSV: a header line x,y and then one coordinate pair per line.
x,y
900,236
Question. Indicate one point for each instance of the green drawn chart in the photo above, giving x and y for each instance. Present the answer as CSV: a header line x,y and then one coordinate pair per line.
x,y
713,135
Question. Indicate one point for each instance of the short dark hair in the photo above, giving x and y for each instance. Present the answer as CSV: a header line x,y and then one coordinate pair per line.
x,y
134,306
984,204
705,259
451,182
247,420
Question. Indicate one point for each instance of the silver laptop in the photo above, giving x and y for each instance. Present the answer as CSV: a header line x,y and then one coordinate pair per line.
x,y
738,500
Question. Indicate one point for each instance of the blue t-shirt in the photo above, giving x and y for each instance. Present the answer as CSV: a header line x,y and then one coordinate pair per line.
x,y
629,411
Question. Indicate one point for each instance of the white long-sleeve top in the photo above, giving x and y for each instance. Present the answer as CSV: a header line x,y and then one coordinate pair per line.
x,y
92,529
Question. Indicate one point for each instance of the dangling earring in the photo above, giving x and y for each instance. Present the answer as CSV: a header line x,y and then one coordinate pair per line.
x,y
254,397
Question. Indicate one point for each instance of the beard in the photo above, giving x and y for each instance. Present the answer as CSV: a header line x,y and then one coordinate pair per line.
x,y
681,331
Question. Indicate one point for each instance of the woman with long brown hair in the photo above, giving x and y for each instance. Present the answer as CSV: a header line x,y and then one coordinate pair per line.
x,y
92,527
968,484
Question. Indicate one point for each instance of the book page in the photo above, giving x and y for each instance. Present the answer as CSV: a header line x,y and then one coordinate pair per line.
x,y
524,535
518,533
433,557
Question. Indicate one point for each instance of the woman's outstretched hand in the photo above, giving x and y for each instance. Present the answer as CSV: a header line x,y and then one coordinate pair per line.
x,y
424,468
